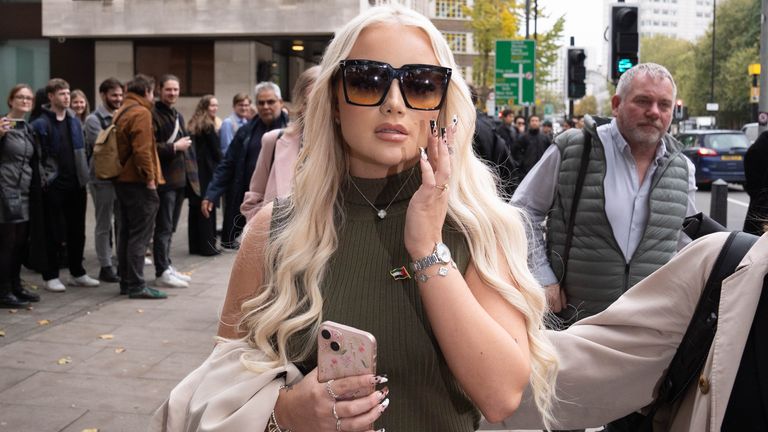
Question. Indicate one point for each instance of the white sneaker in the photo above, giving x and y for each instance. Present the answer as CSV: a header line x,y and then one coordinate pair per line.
x,y
179,275
147,261
168,280
84,281
55,285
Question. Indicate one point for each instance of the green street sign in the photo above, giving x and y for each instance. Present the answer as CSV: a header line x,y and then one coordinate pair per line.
x,y
515,66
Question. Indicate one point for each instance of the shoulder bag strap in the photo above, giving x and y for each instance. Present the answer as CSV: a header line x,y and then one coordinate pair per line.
x,y
576,197
274,149
692,352
175,131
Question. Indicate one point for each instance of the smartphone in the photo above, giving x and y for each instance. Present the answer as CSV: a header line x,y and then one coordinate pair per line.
x,y
16,123
344,351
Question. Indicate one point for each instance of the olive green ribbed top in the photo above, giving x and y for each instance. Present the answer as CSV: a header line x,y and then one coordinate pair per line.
x,y
359,291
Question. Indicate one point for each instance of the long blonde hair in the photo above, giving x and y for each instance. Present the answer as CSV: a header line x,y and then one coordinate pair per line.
x,y
296,257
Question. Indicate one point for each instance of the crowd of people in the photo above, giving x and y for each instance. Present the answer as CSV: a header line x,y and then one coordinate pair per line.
x,y
48,140
390,204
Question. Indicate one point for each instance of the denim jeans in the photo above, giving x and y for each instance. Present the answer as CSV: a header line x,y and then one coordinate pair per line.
x,y
165,225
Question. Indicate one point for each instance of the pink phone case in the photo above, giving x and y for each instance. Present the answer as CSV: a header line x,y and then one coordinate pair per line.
x,y
344,351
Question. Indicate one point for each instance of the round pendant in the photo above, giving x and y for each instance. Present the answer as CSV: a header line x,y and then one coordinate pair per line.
x,y
382,214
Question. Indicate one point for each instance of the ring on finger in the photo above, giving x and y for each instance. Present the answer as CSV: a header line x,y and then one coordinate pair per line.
x,y
338,424
442,187
330,390
335,415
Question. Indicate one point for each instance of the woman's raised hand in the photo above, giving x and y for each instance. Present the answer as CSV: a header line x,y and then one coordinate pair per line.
x,y
345,404
429,205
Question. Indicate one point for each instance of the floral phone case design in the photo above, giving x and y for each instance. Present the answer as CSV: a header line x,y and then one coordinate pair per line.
x,y
344,351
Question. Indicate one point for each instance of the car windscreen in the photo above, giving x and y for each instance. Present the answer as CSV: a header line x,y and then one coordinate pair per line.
x,y
724,142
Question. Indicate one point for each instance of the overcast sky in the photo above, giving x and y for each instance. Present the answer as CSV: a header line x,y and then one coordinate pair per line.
x,y
583,20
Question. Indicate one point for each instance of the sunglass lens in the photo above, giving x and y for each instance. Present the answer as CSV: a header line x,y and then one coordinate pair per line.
x,y
424,87
366,84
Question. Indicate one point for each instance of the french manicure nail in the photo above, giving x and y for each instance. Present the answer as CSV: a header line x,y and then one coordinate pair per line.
x,y
432,126
381,379
384,404
381,430
455,120
423,156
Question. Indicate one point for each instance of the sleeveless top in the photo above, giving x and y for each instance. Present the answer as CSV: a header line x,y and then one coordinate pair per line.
x,y
359,291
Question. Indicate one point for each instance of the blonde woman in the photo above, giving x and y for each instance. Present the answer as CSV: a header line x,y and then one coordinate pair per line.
x,y
455,339
79,105
273,175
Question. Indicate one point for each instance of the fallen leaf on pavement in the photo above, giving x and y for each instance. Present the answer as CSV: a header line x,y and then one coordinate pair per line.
x,y
90,430
140,310
65,360
119,350
12,311
107,336
30,308
2,333
43,322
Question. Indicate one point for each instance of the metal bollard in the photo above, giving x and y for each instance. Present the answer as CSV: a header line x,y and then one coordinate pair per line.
x,y
718,205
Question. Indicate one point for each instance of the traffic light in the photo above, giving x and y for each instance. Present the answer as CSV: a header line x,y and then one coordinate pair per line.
x,y
681,111
577,73
625,41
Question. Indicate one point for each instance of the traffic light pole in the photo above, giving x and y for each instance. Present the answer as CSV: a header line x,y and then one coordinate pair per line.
x,y
763,104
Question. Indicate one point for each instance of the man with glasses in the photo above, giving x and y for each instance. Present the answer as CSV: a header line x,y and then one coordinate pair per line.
x,y
241,104
233,174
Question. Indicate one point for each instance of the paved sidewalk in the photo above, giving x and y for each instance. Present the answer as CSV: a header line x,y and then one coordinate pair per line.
x,y
102,361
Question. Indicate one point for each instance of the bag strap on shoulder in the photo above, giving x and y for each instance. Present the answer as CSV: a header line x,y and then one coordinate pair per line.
x,y
576,197
692,352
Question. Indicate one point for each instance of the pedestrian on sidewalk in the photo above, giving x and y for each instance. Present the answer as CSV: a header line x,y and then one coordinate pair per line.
x,y
65,198
381,189
103,191
19,160
755,163
136,186
202,129
179,164
273,176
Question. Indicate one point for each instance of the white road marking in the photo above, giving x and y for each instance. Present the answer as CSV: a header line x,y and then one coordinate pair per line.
x,y
737,202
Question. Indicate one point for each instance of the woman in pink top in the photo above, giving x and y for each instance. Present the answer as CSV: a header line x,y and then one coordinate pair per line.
x,y
273,176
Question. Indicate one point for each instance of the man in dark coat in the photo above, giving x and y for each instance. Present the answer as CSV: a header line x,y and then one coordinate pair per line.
x,y
755,162
534,144
233,174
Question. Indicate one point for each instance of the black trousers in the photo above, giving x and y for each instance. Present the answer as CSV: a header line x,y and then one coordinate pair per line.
x,y
64,211
166,221
201,231
138,208
14,241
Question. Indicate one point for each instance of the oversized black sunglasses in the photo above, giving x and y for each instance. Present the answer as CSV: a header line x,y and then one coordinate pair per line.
x,y
366,83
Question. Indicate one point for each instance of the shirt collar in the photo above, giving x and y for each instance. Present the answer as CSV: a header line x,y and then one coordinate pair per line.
x,y
622,145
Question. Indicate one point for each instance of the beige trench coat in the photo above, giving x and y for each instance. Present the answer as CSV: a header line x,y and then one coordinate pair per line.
x,y
611,363
222,395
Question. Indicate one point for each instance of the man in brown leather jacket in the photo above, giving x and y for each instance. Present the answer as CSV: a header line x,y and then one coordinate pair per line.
x,y
136,186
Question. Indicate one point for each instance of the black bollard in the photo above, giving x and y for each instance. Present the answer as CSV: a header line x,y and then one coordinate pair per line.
x,y
718,206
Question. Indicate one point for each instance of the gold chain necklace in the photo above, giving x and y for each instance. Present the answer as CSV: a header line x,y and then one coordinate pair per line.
x,y
382,213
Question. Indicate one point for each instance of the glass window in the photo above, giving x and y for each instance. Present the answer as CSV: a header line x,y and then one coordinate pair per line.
x,y
449,8
456,41
23,61
192,62
725,142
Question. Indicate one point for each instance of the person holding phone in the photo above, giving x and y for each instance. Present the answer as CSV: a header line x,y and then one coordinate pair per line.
x,y
18,156
393,227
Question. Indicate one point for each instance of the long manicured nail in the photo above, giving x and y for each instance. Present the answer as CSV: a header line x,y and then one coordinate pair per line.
x,y
455,120
432,126
384,404
381,430
381,379
442,132
423,156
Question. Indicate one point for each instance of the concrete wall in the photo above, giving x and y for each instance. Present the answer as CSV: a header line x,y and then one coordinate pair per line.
x,y
112,59
209,18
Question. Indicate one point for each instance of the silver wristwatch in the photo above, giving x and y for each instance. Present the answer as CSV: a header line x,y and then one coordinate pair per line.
x,y
441,255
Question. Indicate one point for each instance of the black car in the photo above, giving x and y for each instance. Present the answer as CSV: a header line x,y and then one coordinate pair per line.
x,y
717,154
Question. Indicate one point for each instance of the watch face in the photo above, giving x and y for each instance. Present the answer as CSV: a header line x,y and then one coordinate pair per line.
x,y
442,252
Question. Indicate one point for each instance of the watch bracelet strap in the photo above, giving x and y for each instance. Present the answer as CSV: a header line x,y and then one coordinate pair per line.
x,y
272,425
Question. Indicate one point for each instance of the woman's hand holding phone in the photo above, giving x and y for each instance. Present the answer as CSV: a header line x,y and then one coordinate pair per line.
x,y
340,394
